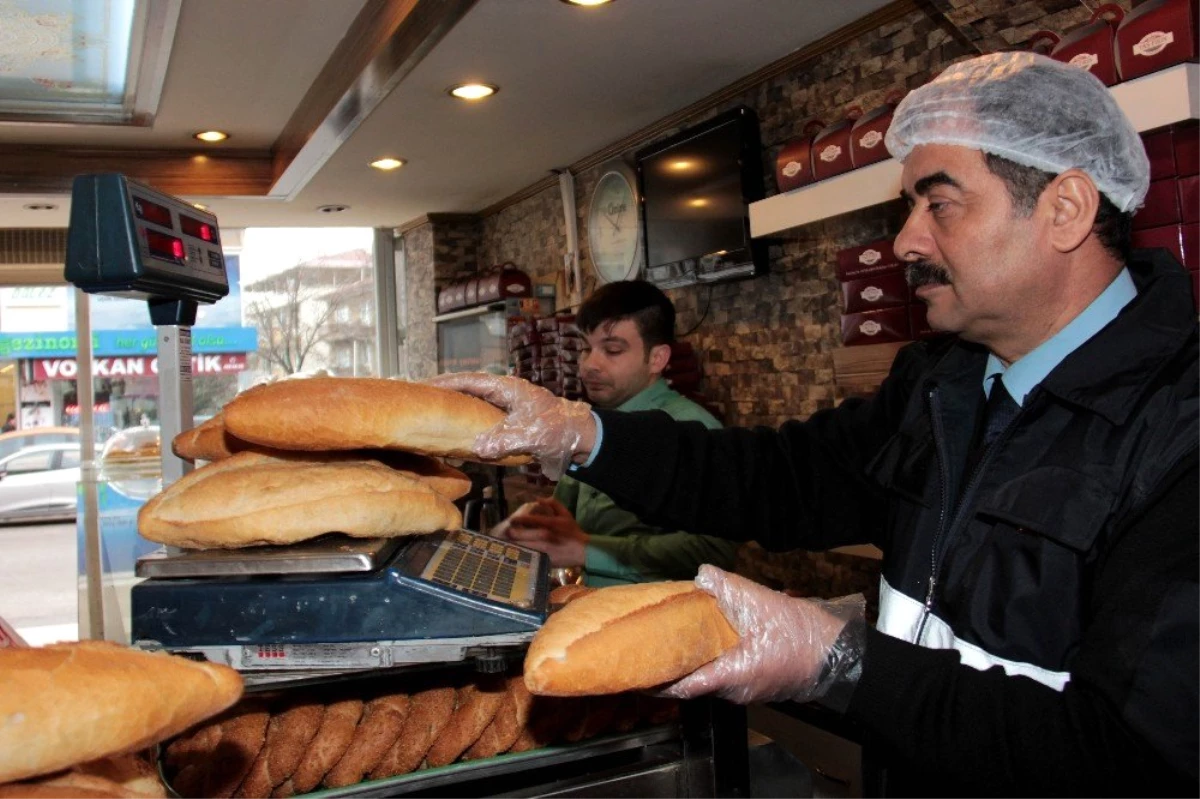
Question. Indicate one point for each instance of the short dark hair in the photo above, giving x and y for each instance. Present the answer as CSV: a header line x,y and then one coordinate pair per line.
x,y
1026,183
644,303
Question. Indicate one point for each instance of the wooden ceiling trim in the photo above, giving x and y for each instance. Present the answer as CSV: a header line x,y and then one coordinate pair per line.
x,y
385,42
889,13
50,169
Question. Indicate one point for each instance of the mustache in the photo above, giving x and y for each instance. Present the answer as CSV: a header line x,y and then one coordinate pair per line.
x,y
926,273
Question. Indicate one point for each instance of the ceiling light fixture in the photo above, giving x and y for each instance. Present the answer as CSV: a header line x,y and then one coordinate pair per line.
x,y
473,91
211,136
587,3
699,202
40,207
681,165
335,208
388,164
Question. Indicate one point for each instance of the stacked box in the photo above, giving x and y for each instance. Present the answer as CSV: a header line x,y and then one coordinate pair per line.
x,y
877,305
1170,218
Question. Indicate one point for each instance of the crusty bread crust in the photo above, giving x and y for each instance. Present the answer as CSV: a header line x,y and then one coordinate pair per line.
x,y
338,413
251,499
208,441
69,703
626,638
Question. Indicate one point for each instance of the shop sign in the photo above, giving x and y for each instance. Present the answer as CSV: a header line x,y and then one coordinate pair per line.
x,y
61,344
135,366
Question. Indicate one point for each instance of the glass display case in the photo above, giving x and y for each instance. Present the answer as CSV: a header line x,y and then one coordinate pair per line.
x,y
476,339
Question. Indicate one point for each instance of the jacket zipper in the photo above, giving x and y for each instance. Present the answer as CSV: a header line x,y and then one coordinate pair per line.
x,y
965,497
944,480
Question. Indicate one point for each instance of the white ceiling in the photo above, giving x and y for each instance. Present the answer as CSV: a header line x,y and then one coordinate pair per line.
x,y
573,80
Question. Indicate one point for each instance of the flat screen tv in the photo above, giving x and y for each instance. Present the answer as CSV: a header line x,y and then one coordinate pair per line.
x,y
696,188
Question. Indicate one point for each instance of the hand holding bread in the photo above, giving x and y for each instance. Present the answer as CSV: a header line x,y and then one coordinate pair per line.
x,y
625,638
551,429
785,644
339,413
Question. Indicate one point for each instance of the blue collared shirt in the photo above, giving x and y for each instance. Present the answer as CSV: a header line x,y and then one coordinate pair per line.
x,y
1023,374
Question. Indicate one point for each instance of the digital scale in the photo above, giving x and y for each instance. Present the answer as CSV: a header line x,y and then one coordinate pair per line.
x,y
329,606
342,604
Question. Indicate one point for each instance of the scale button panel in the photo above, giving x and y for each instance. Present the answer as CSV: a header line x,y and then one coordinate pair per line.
x,y
483,567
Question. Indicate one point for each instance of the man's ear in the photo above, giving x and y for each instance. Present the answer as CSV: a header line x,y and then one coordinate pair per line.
x,y
660,356
1071,201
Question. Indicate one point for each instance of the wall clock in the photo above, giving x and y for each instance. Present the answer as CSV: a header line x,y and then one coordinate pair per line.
x,y
614,224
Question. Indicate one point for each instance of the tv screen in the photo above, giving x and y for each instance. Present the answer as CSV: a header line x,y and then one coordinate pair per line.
x,y
695,189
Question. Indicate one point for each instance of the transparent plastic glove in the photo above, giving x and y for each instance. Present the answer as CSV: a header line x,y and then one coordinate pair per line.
x,y
549,428
790,648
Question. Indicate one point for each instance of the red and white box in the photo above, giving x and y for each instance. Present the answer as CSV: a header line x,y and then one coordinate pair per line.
x,y
1090,46
874,293
866,137
867,260
793,165
831,149
876,327
1156,35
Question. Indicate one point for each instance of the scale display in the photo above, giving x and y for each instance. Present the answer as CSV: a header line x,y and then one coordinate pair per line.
x,y
434,598
127,239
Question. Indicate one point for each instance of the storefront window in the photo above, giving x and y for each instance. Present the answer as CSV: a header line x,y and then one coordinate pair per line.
x,y
293,307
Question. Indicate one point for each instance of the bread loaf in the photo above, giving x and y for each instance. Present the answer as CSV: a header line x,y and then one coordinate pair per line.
x,y
68,703
251,499
339,413
625,638
208,441
446,480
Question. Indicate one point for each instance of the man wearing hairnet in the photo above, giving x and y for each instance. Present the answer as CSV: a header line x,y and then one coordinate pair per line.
x,y
1031,480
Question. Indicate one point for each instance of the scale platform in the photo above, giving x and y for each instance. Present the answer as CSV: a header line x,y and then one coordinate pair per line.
x,y
338,604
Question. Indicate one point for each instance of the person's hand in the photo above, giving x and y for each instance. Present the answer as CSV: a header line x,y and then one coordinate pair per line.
x,y
551,429
547,526
784,648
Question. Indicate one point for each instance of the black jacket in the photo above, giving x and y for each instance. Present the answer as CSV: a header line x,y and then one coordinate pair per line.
x,y
1053,590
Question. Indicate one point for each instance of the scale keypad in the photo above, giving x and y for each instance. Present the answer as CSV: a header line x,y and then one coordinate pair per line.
x,y
483,567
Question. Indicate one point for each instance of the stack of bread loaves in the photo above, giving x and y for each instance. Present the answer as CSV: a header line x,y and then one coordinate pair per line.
x,y
74,718
294,459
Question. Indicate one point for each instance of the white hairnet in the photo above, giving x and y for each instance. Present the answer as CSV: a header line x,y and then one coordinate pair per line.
x,y
1031,110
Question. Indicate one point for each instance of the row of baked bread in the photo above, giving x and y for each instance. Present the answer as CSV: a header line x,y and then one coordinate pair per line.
x,y
333,736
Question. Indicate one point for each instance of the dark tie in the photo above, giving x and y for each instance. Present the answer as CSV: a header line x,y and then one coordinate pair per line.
x,y
999,411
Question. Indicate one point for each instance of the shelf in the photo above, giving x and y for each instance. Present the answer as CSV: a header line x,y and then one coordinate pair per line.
x,y
1153,101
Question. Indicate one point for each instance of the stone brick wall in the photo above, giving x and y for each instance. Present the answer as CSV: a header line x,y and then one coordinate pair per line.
x,y
418,352
766,344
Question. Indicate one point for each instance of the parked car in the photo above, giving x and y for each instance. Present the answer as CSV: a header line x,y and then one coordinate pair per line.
x,y
38,483
19,439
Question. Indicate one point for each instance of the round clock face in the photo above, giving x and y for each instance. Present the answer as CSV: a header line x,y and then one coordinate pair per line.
x,y
614,228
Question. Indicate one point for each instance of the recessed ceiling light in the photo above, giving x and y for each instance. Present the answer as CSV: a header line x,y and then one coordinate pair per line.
x,y
699,202
681,165
40,207
388,164
473,91
335,208
211,136
586,2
